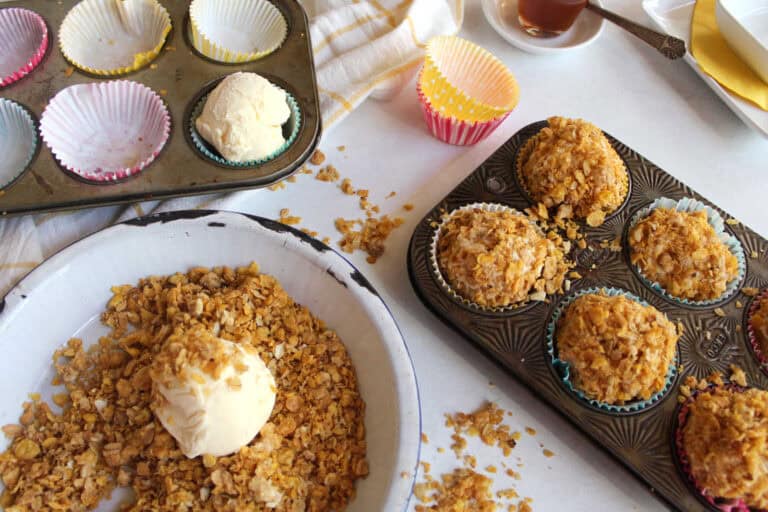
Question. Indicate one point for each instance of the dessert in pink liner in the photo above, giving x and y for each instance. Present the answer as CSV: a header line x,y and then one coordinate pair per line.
x,y
452,130
757,328
23,43
105,131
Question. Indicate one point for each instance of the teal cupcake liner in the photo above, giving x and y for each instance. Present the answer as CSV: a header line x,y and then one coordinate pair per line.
x,y
292,126
563,368
688,204
18,141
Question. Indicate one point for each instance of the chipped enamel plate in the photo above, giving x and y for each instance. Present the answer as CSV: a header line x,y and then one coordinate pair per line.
x,y
64,296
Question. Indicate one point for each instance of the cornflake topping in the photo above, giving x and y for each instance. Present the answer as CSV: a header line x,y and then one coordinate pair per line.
x,y
759,321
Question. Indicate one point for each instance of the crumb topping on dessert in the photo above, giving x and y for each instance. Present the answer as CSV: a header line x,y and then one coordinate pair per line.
x,y
759,321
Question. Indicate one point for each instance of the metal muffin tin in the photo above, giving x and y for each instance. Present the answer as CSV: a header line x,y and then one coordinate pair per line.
x,y
179,170
643,440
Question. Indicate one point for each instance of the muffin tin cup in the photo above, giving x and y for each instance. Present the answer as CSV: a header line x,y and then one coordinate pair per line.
x,y
466,82
114,37
291,127
23,43
452,130
236,31
752,335
735,505
105,131
716,221
18,141
447,288
562,368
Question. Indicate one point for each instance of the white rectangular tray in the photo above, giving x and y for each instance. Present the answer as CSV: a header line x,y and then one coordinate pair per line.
x,y
674,18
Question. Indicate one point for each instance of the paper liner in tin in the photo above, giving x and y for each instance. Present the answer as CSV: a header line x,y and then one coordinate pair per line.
x,y
235,31
751,332
105,131
452,130
23,43
114,37
733,505
18,141
435,266
688,204
563,367
465,81
290,132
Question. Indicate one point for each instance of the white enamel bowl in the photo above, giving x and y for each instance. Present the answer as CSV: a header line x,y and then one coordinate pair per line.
x,y
64,296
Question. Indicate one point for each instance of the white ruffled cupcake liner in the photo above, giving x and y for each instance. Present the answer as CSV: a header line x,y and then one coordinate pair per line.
x,y
23,43
114,37
105,131
18,141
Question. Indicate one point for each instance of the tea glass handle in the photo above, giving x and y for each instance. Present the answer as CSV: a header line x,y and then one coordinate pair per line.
x,y
670,47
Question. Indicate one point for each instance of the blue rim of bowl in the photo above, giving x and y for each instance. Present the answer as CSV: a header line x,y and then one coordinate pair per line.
x,y
13,105
207,150
688,204
563,368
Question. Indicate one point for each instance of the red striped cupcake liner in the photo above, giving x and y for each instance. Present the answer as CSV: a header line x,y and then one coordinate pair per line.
x,y
453,131
23,43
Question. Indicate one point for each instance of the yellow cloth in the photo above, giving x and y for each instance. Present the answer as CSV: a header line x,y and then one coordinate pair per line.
x,y
719,61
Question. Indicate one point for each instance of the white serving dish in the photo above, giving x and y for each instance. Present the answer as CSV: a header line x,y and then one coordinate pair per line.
x,y
585,30
674,18
744,24
64,296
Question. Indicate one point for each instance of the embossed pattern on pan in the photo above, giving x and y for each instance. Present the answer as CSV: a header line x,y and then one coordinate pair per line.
x,y
714,337
177,74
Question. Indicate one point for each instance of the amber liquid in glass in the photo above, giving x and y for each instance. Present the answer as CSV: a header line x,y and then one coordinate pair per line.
x,y
547,18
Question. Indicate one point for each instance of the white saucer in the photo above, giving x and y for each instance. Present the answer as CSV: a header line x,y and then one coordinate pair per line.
x,y
586,29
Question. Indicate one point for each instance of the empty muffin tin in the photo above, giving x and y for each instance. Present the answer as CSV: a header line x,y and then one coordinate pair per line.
x,y
180,75
715,336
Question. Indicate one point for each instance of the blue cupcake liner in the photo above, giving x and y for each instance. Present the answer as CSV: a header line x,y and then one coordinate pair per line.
x,y
563,368
688,204
17,128
293,124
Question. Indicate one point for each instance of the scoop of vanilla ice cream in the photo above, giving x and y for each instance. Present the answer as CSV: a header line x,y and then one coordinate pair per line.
x,y
212,395
243,117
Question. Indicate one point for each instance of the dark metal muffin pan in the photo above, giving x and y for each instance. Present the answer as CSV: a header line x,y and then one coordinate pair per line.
x,y
643,440
179,170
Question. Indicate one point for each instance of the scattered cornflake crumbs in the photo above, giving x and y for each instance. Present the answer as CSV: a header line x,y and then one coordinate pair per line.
x,y
753,255
341,148
424,438
738,376
163,92
346,186
326,240
287,218
470,460
749,291
530,431
426,465
407,207
153,66
291,179
317,158
491,469
371,236
731,222
309,232
487,423
507,494
513,474
391,194
405,474
440,449
739,304
548,453
461,490
328,173
305,170
68,71
719,312
525,505
277,186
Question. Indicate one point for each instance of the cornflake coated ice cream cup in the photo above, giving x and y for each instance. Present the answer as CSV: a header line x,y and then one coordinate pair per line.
x,y
114,37
452,130
23,43
563,368
714,219
18,141
466,82
752,334
105,131
235,31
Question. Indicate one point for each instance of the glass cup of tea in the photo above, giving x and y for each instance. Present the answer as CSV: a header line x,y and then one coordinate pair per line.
x,y
548,18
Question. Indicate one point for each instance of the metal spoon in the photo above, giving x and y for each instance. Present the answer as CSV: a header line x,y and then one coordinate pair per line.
x,y
670,47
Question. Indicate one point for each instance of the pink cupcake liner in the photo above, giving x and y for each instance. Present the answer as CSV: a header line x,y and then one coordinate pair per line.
x,y
105,131
23,43
452,130
736,505
752,335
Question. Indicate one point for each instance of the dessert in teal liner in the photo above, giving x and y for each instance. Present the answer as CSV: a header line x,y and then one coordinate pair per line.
x,y
18,141
244,121
613,350
681,250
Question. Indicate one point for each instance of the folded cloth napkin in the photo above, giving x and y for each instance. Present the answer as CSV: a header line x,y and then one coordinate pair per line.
x,y
362,48
718,60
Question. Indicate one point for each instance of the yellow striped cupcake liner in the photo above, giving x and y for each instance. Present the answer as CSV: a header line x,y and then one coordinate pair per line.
x,y
236,31
466,82
114,37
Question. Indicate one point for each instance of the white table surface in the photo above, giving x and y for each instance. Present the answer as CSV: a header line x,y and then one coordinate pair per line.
x,y
659,108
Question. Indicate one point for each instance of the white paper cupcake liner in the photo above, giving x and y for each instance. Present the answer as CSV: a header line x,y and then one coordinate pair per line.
x,y
435,266
235,31
18,141
112,37
23,43
105,131
688,204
